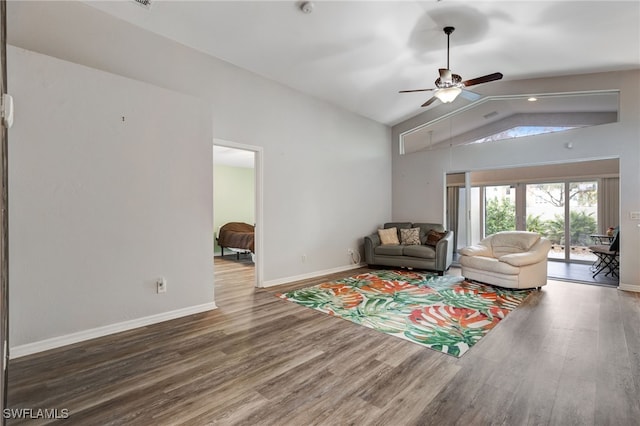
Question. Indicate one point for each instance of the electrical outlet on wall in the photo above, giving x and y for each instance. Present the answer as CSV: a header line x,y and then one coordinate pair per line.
x,y
161,285
354,255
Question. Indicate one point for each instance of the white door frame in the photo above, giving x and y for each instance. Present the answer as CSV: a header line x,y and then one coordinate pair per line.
x,y
4,222
258,176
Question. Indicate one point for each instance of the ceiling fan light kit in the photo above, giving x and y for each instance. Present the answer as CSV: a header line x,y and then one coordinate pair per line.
x,y
448,94
450,85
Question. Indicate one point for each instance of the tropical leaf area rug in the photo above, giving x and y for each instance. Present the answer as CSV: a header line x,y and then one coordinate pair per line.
x,y
444,313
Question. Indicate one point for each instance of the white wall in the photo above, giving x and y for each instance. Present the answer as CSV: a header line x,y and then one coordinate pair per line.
x,y
327,172
100,207
418,178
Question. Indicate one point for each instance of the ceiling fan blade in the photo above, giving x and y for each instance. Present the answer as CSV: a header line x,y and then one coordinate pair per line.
x,y
483,79
415,90
429,102
470,96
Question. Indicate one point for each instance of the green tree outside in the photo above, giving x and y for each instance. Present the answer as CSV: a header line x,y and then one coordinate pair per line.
x,y
582,226
500,215
535,224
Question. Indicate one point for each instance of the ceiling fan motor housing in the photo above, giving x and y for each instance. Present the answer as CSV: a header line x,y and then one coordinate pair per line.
x,y
456,81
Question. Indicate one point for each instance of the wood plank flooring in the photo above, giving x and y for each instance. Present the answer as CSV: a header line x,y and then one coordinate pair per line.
x,y
569,354
579,272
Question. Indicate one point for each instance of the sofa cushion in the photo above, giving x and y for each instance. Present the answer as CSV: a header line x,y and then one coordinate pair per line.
x,y
434,236
410,237
489,264
388,236
398,226
425,252
389,250
508,242
425,228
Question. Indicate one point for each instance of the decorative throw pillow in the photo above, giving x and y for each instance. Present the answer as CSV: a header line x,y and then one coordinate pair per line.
x,y
388,236
434,236
410,237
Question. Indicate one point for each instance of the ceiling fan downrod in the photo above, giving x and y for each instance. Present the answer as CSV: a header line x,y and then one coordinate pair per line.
x,y
448,31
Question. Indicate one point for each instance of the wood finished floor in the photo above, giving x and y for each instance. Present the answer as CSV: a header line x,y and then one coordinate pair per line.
x,y
570,355
579,272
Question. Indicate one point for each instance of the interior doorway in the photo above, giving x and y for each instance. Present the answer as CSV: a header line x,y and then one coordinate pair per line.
x,y
237,202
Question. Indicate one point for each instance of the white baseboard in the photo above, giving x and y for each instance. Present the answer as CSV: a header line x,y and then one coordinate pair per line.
x,y
315,274
629,287
80,336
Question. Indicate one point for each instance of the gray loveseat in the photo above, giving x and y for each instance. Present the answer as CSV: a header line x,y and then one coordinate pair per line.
x,y
435,258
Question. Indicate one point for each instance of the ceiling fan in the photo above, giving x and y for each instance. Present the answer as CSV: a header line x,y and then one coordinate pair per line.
x,y
449,85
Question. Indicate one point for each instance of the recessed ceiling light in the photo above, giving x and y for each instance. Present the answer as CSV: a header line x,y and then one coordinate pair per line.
x,y
306,7
532,99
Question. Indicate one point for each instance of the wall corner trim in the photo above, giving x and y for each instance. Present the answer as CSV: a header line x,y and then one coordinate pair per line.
x,y
629,287
80,336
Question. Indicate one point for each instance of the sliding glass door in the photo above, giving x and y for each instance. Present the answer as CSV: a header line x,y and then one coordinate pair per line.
x,y
582,218
571,209
499,209
564,212
545,211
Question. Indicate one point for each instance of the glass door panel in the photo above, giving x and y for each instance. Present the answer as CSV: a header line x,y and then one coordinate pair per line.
x,y
583,222
476,213
499,208
461,231
545,211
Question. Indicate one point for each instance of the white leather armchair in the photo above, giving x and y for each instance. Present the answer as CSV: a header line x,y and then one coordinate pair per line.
x,y
513,259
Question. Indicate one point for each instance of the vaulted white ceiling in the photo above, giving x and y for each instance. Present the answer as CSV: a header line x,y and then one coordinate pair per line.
x,y
359,54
